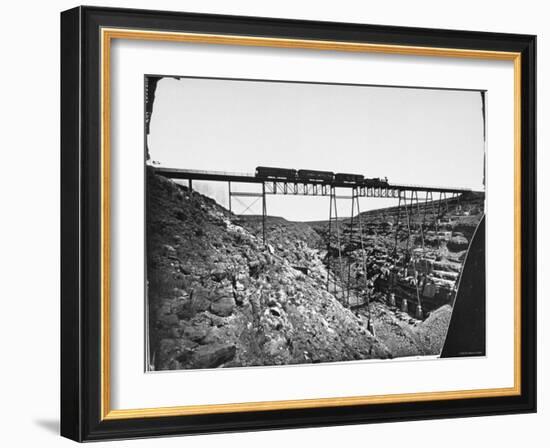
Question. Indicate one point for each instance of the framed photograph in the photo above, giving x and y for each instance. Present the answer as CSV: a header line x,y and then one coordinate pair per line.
x,y
273,223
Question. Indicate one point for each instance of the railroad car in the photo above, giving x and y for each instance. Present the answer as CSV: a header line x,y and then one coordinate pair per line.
x,y
276,173
315,176
347,178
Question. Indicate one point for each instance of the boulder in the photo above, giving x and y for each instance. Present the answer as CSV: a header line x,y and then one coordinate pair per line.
x,y
167,346
168,250
195,333
199,299
183,308
457,243
219,274
168,320
223,307
275,346
211,356
214,336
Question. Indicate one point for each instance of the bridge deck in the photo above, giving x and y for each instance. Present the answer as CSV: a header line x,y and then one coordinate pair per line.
x,y
282,186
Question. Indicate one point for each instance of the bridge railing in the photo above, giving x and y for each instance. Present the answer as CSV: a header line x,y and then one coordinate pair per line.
x,y
205,172
403,186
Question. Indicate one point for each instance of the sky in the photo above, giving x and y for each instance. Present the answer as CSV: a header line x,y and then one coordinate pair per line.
x,y
412,136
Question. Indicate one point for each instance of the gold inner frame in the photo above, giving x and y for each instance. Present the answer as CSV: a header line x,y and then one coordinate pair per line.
x,y
107,35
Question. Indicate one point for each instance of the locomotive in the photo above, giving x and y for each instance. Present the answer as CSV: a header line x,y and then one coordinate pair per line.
x,y
376,182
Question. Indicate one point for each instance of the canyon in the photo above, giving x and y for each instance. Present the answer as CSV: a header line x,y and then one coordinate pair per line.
x,y
219,296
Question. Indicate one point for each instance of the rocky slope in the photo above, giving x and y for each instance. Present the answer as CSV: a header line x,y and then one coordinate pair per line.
x,y
217,297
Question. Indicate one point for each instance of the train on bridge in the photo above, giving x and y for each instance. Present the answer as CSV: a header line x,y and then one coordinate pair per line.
x,y
315,176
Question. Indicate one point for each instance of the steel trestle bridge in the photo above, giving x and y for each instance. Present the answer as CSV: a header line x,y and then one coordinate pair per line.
x,y
409,197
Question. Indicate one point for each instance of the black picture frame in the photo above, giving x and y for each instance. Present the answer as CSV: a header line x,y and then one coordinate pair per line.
x,y
81,413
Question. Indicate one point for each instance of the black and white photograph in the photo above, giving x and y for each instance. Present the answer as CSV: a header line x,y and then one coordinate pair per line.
x,y
274,220
295,223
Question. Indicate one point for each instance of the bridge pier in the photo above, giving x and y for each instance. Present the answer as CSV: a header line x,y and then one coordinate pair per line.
x,y
264,213
419,313
333,222
229,189
355,201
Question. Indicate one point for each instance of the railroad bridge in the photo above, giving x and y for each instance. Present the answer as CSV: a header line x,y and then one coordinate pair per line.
x,y
409,197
